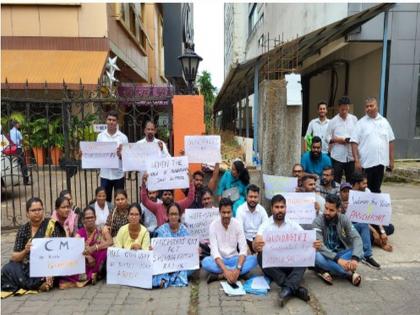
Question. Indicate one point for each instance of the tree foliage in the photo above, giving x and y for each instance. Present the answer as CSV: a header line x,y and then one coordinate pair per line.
x,y
208,90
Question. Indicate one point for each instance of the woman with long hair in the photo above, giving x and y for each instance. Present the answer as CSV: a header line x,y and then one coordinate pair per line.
x,y
101,207
119,216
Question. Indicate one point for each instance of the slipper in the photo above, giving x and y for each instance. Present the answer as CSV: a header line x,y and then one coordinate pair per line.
x,y
326,277
387,247
355,279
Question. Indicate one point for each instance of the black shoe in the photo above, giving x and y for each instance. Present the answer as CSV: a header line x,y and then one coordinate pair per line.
x,y
369,261
302,293
212,277
284,295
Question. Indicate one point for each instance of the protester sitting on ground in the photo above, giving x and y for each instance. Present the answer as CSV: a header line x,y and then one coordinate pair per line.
x,y
233,184
173,228
66,193
148,218
251,214
288,279
160,209
133,235
65,216
101,207
228,258
327,184
344,196
309,185
198,179
314,161
359,183
297,171
119,215
15,274
96,244
341,245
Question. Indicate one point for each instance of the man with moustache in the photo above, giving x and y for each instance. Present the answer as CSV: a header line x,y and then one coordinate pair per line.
x,y
148,218
318,126
341,245
228,247
314,161
287,278
150,132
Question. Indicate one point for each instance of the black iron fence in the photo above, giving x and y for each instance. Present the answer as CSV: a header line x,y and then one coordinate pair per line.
x,y
53,122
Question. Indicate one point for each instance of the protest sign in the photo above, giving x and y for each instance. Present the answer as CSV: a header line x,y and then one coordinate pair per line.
x,y
274,185
135,155
99,127
129,267
175,254
203,149
300,207
57,256
99,154
198,221
168,173
289,248
367,207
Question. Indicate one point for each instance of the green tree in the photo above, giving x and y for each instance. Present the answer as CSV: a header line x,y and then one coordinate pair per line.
x,y
208,90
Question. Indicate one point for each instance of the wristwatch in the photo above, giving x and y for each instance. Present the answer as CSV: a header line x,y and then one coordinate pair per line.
x,y
239,267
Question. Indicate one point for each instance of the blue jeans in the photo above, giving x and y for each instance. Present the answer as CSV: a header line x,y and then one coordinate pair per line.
x,y
330,265
110,184
209,264
363,229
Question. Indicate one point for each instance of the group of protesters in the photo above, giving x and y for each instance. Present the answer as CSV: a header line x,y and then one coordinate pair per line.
x,y
235,242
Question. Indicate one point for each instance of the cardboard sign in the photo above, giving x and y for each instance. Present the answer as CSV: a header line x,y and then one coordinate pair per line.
x,y
57,256
99,127
367,207
168,173
135,155
175,254
300,207
129,267
203,149
274,185
198,221
99,154
289,249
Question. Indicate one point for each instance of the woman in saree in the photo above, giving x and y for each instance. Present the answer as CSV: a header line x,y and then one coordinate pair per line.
x,y
65,216
75,209
15,274
119,216
173,228
96,244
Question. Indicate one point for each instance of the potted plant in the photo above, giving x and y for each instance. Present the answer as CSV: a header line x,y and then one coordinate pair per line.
x,y
38,139
81,130
56,140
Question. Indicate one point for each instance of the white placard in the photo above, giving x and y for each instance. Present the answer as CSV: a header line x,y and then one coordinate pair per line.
x,y
99,154
129,267
198,221
57,256
274,185
99,127
135,155
300,207
289,249
168,173
294,89
203,149
367,207
175,254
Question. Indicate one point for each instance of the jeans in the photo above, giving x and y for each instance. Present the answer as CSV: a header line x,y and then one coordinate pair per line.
x,y
340,167
330,265
209,264
110,184
375,175
284,276
364,231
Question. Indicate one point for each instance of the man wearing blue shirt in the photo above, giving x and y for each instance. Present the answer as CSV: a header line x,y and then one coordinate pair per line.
x,y
16,137
314,161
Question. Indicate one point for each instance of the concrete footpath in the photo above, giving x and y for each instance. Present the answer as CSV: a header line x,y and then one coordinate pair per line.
x,y
395,289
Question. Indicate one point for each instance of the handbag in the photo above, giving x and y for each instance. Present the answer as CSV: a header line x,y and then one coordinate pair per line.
x,y
11,149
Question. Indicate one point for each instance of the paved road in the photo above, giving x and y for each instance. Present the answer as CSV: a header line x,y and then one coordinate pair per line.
x,y
395,289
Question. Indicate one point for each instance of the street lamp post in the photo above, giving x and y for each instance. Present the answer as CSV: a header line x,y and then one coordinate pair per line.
x,y
189,62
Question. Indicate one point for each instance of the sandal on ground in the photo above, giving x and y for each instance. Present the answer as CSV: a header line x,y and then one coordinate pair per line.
x,y
326,277
387,247
355,279
45,287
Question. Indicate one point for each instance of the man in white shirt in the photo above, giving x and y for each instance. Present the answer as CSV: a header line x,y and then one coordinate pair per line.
x,y
150,132
288,279
373,145
318,126
17,139
112,178
226,237
339,131
251,214
309,185
149,219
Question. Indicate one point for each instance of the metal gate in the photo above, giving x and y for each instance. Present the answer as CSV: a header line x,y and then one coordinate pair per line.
x,y
53,122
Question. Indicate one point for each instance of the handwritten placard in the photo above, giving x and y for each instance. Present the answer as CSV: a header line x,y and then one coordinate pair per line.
x,y
99,154
198,221
203,149
99,127
174,254
367,207
289,249
129,267
135,155
274,185
59,256
300,207
168,173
